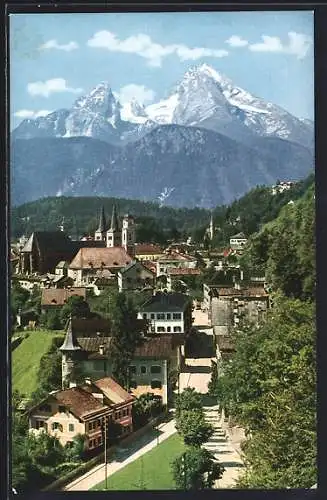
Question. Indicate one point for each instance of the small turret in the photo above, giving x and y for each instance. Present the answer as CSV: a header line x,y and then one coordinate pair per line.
x,y
69,350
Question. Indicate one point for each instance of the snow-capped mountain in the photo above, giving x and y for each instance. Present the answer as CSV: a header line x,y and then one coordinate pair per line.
x,y
203,98
206,98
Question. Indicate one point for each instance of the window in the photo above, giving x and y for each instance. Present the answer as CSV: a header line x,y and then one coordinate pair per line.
x,y
145,316
91,426
177,329
46,408
133,384
168,329
152,316
156,384
132,369
161,316
155,369
143,369
177,316
168,316
61,409
56,426
91,443
39,424
71,427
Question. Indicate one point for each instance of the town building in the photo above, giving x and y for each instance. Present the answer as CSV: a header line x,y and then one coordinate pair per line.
x,y
86,352
148,252
84,409
135,276
177,273
238,241
167,313
175,260
92,263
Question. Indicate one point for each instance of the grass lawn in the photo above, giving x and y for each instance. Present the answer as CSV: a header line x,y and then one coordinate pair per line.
x,y
26,359
149,472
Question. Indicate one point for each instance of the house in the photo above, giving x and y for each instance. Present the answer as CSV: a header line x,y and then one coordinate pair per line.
x,y
230,304
62,268
135,276
83,409
167,313
52,298
238,241
154,360
87,351
89,263
175,260
147,251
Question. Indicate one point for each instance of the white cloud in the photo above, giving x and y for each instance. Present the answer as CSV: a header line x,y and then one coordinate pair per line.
x,y
236,41
133,91
29,113
51,86
143,45
298,44
53,44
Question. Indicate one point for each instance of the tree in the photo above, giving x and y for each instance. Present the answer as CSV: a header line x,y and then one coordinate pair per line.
x,y
44,450
126,335
189,399
76,307
196,469
51,320
193,428
269,387
75,451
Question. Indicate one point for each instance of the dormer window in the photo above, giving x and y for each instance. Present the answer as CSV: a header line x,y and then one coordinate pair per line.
x,y
116,263
53,301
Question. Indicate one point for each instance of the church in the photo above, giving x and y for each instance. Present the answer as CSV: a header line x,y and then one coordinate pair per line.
x,y
116,235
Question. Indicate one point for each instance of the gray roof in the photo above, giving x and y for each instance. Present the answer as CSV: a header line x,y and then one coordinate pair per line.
x,y
239,235
132,264
70,343
173,302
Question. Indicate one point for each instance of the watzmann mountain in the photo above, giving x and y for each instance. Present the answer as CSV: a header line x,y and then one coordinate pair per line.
x,y
207,143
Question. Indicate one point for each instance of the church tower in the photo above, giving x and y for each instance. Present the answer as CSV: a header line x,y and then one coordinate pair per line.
x,y
114,233
128,235
69,350
101,232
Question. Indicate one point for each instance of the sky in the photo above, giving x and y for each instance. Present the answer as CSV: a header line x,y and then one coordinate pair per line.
x,y
55,58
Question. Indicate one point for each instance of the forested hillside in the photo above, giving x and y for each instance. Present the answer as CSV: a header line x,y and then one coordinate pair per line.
x,y
269,386
155,223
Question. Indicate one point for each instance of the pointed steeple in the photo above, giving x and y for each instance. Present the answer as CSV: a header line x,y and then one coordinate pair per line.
x,y
102,222
114,220
70,343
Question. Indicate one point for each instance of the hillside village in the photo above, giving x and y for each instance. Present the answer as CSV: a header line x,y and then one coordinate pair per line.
x,y
136,324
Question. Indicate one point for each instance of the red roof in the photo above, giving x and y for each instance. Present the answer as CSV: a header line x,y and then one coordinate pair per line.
x,y
147,248
58,296
100,258
113,391
78,401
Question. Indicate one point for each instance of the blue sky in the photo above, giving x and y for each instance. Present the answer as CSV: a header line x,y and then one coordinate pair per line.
x,y
55,58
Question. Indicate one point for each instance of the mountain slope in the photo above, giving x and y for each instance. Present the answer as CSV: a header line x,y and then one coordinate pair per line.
x,y
185,166
203,98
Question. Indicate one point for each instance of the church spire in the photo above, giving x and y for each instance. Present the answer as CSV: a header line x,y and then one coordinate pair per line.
x,y
211,228
114,220
102,222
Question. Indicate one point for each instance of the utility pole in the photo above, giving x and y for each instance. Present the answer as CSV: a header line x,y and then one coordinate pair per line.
x,y
184,469
105,450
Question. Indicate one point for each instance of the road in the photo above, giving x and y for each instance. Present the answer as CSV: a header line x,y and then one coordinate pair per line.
x,y
197,374
122,457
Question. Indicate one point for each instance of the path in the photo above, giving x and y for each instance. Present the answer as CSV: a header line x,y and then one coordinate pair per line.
x,y
223,450
122,457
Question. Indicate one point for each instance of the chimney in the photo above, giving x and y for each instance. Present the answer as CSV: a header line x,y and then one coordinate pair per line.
x,y
101,349
88,380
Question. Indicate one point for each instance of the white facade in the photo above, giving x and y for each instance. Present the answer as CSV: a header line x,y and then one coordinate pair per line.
x,y
164,322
